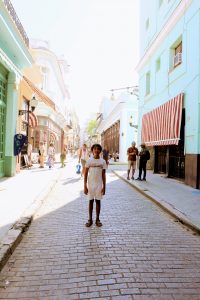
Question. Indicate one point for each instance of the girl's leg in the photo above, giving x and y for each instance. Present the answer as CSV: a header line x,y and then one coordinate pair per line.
x,y
98,209
90,208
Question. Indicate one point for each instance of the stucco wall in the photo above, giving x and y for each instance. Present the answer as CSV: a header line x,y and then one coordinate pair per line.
x,y
167,82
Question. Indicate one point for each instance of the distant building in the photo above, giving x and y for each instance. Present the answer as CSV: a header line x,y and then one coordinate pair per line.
x,y
118,119
169,76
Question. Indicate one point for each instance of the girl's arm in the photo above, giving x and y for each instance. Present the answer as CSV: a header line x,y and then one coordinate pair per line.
x,y
104,181
85,181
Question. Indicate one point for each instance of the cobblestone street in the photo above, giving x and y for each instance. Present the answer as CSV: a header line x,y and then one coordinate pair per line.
x,y
140,253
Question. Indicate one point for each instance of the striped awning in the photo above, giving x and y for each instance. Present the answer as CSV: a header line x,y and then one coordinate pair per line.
x,y
162,125
33,121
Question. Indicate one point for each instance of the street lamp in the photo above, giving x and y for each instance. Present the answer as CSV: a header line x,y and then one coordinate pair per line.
x,y
132,90
32,103
131,123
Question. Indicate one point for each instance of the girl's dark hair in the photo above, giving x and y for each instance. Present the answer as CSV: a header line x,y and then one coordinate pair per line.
x,y
96,145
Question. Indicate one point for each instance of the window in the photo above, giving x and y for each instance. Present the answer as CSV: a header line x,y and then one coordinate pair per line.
x,y
177,60
158,64
148,83
44,71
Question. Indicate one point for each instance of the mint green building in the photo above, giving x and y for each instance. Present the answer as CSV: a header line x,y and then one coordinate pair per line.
x,y
169,81
14,56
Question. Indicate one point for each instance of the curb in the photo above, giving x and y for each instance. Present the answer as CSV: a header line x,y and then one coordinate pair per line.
x,y
172,211
15,233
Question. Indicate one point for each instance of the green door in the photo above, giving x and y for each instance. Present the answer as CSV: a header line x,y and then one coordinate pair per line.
x,y
2,121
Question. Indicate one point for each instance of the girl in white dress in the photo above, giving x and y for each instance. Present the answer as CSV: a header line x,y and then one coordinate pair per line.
x,y
95,182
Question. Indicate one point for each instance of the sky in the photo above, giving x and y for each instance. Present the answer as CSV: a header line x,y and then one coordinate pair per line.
x,y
99,39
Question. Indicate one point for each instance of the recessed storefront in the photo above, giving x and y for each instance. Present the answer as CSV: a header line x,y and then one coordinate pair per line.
x,y
164,129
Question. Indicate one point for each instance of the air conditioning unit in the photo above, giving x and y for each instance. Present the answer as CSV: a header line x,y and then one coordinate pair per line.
x,y
177,59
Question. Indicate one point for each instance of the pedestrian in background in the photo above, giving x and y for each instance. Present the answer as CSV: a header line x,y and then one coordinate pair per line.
x,y
63,157
83,157
144,156
95,182
41,154
132,153
51,156
115,156
105,154
29,154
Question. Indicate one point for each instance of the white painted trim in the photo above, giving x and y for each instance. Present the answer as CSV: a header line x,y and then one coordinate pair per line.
x,y
9,64
177,14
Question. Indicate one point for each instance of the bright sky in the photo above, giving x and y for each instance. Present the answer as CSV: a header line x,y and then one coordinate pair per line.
x,y
99,39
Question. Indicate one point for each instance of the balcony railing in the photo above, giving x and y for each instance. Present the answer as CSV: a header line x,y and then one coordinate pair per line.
x,y
16,20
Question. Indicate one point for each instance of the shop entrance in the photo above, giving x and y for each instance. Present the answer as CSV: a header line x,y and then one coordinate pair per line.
x,y
176,155
170,159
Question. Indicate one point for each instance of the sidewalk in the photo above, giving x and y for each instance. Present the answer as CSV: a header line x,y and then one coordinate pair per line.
x,y
20,196
175,197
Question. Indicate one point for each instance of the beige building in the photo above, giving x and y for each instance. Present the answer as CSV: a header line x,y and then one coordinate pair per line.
x,y
48,76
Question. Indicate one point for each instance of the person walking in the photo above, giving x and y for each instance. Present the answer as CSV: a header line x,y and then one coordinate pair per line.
x,y
63,157
41,154
132,153
144,156
83,157
95,182
51,156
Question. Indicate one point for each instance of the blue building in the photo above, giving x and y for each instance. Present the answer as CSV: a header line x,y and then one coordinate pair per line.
x,y
169,80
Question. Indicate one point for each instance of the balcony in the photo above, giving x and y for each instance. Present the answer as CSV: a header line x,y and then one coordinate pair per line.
x,y
16,20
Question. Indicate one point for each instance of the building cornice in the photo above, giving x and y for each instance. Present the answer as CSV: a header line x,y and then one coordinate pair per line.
x,y
169,25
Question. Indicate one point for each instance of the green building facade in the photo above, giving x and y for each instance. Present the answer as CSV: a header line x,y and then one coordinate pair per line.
x,y
14,56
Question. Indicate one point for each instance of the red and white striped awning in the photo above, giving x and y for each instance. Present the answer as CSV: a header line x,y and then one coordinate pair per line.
x,y
33,121
162,125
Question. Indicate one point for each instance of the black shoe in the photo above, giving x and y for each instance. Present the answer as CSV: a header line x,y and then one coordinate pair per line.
x,y
139,178
132,178
144,179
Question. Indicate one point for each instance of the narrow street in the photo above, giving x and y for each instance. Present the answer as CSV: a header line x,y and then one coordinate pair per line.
x,y
140,252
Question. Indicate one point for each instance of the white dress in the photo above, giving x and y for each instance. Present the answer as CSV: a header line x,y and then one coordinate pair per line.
x,y
95,182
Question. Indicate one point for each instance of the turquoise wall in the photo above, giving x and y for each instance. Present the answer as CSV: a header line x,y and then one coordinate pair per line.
x,y
11,41
168,82
14,56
